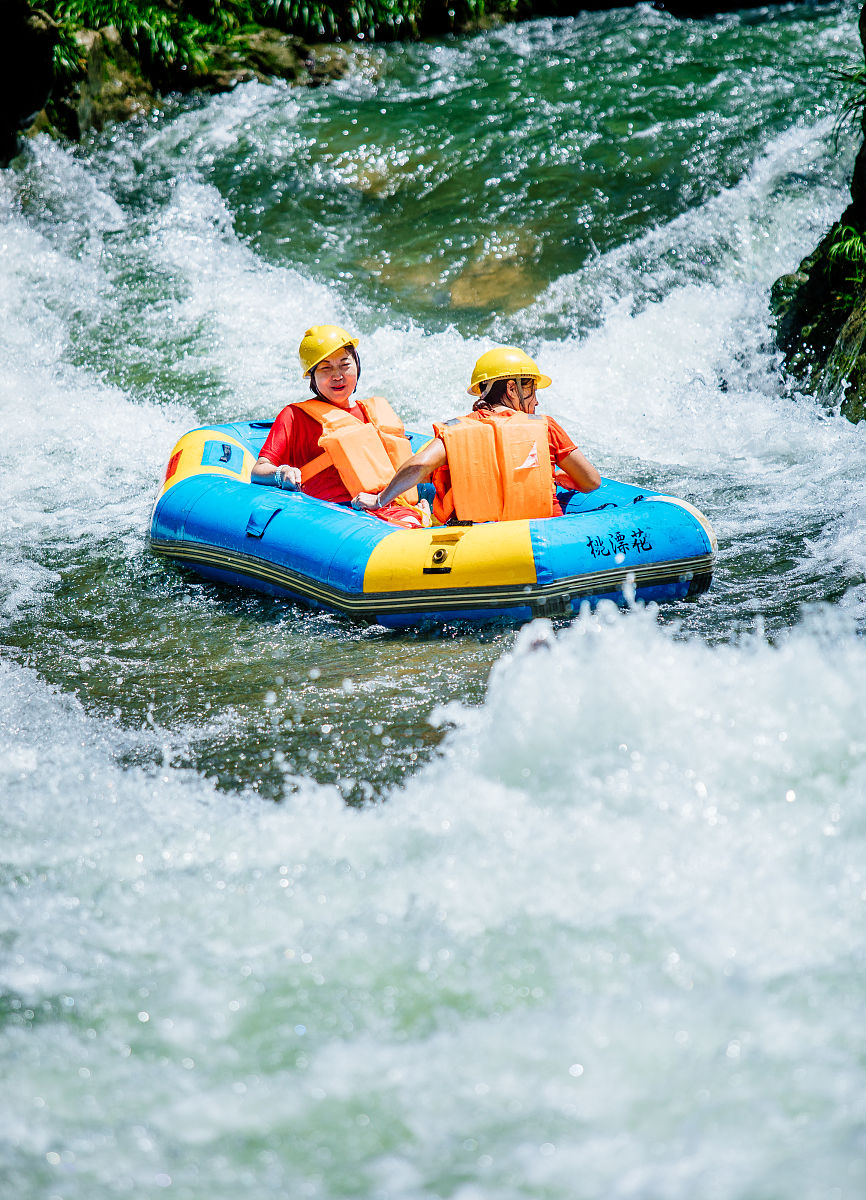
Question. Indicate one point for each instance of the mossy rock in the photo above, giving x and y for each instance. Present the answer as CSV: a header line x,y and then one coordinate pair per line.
x,y
843,379
112,88
258,53
820,323
853,405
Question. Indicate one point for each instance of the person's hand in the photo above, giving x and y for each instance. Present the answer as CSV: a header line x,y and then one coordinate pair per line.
x,y
366,501
287,477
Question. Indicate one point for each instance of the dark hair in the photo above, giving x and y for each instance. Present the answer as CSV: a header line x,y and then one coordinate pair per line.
x,y
354,353
493,395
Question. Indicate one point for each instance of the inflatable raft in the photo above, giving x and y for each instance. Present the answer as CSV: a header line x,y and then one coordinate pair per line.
x,y
615,543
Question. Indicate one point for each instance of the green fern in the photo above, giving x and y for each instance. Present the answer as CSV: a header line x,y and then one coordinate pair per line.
x,y
165,36
848,251
848,245
350,19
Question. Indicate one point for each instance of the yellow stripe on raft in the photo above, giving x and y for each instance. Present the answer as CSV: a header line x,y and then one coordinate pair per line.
x,y
472,556
191,450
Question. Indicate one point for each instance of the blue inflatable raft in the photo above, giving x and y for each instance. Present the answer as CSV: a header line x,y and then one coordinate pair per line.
x,y
617,542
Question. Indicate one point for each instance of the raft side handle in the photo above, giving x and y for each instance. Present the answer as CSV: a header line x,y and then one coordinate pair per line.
x,y
260,518
218,453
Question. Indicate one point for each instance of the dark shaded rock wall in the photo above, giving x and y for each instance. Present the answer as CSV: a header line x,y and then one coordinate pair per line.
x,y
27,39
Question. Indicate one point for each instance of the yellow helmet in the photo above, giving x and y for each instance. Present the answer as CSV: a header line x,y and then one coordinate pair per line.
x,y
504,362
321,341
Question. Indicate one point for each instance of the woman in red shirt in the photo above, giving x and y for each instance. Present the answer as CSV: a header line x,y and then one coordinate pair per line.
x,y
330,359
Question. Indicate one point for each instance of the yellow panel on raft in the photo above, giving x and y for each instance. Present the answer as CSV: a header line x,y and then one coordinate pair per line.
x,y
188,453
471,556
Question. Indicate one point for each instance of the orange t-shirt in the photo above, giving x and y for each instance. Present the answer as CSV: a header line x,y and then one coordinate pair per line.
x,y
560,444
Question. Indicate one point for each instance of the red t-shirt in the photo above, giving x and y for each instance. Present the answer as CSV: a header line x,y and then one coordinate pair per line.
x,y
560,444
294,439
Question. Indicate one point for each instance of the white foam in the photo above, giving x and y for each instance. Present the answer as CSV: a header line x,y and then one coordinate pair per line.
x,y
639,861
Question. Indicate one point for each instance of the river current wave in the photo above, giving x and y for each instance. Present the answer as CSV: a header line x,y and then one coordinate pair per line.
x,y
305,909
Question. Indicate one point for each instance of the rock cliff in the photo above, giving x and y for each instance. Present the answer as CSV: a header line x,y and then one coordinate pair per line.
x,y
820,309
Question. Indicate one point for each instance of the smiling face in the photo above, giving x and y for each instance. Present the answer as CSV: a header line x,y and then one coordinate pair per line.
x,y
337,377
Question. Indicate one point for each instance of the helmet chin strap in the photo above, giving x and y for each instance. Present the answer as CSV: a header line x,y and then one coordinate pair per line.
x,y
523,399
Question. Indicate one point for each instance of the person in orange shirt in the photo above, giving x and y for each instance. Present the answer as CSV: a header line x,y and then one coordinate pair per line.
x,y
501,460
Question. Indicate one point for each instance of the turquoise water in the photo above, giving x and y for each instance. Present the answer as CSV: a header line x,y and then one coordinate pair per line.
x,y
298,908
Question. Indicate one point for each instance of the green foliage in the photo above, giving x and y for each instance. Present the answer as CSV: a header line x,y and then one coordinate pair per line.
x,y
164,36
848,244
67,54
307,16
352,18
848,251
168,35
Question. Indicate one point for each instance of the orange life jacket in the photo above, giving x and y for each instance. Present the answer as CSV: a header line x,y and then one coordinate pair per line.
x,y
365,455
499,469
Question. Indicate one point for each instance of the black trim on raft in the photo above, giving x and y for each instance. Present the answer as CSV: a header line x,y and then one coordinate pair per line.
x,y
550,599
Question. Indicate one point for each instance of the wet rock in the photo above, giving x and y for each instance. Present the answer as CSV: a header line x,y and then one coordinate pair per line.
x,y
807,324
499,276
273,55
413,280
226,69
843,379
493,284
262,54
325,63
820,309
113,87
